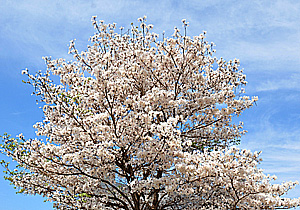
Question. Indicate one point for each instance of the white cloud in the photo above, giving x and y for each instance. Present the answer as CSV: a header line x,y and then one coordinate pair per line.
x,y
281,84
264,34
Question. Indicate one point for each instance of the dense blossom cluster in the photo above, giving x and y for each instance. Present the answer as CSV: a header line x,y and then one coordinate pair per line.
x,y
139,124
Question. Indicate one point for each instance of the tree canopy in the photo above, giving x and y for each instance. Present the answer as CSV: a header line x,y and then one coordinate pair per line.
x,y
142,122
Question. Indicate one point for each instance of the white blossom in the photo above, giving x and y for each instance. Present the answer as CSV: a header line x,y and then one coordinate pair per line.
x,y
138,123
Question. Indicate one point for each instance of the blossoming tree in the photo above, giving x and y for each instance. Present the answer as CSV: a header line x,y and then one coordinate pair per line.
x,y
141,124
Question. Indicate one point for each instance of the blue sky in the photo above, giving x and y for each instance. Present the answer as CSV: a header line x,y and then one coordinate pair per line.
x,y
264,35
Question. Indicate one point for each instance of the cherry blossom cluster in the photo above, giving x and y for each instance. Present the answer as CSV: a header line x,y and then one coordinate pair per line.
x,y
139,122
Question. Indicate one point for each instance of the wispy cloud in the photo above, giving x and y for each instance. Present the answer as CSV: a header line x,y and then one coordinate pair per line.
x,y
264,34
277,135
292,82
